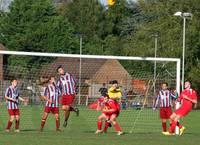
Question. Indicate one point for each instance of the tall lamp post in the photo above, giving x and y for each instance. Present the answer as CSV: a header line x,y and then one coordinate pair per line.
x,y
184,16
155,55
80,70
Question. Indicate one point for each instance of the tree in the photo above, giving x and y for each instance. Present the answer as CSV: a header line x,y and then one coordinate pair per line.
x,y
35,25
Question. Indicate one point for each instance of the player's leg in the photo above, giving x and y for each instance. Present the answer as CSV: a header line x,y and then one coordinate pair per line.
x,y
164,125
70,101
66,110
115,124
107,124
174,123
100,122
17,119
57,122
44,117
55,111
10,121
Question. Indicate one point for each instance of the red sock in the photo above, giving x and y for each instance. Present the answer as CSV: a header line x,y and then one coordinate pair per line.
x,y
72,109
172,127
43,123
57,123
106,126
117,127
99,125
179,125
17,124
9,124
164,126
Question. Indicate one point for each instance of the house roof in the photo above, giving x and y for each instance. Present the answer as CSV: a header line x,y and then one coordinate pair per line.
x,y
97,70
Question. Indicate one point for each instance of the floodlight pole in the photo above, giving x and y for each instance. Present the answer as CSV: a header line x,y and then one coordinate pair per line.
x,y
155,64
80,71
184,16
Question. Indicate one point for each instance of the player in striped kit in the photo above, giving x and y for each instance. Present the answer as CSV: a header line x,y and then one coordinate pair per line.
x,y
12,100
164,99
67,85
51,95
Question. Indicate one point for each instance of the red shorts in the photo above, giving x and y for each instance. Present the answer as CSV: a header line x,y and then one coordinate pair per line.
x,y
108,115
165,112
182,111
13,112
54,110
68,99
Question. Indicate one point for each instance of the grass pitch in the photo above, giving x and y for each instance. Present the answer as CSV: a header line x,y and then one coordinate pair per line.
x,y
80,130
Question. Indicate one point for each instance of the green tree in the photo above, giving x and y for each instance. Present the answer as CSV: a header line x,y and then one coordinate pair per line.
x,y
35,25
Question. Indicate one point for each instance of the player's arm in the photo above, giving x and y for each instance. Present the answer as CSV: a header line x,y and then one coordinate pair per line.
x,y
10,99
46,99
7,94
156,102
190,99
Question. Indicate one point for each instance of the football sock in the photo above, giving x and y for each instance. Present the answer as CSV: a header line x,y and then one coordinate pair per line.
x,y
43,123
9,124
117,127
164,126
172,127
17,124
99,125
179,125
57,123
106,126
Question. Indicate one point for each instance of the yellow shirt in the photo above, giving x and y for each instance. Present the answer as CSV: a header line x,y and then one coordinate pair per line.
x,y
114,94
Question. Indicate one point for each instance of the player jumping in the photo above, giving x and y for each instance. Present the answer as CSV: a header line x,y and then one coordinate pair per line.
x,y
67,85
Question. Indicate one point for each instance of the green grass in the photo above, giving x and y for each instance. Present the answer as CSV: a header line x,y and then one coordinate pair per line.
x,y
80,130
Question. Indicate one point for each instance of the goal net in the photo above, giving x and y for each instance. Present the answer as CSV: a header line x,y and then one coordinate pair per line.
x,y
139,79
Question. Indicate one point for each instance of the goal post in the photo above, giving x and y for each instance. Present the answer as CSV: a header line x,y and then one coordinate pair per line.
x,y
134,74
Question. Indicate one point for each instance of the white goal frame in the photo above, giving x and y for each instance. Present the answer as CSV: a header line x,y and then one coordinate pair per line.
x,y
177,60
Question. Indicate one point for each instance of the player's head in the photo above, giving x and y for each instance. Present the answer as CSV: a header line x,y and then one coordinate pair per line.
x,y
14,82
52,79
106,97
60,70
187,85
164,85
114,83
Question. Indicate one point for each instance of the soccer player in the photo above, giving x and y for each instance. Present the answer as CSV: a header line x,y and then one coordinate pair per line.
x,y
164,99
67,85
12,97
110,113
114,91
187,98
51,95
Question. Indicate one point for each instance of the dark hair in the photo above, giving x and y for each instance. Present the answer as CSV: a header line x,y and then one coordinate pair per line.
x,y
11,80
113,82
60,66
165,83
105,95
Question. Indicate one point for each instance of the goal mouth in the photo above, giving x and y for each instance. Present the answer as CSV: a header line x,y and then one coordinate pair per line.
x,y
136,77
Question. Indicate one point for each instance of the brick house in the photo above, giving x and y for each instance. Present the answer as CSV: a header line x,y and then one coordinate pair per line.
x,y
94,72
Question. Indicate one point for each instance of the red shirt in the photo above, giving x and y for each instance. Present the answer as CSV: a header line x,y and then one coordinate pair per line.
x,y
189,93
111,104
